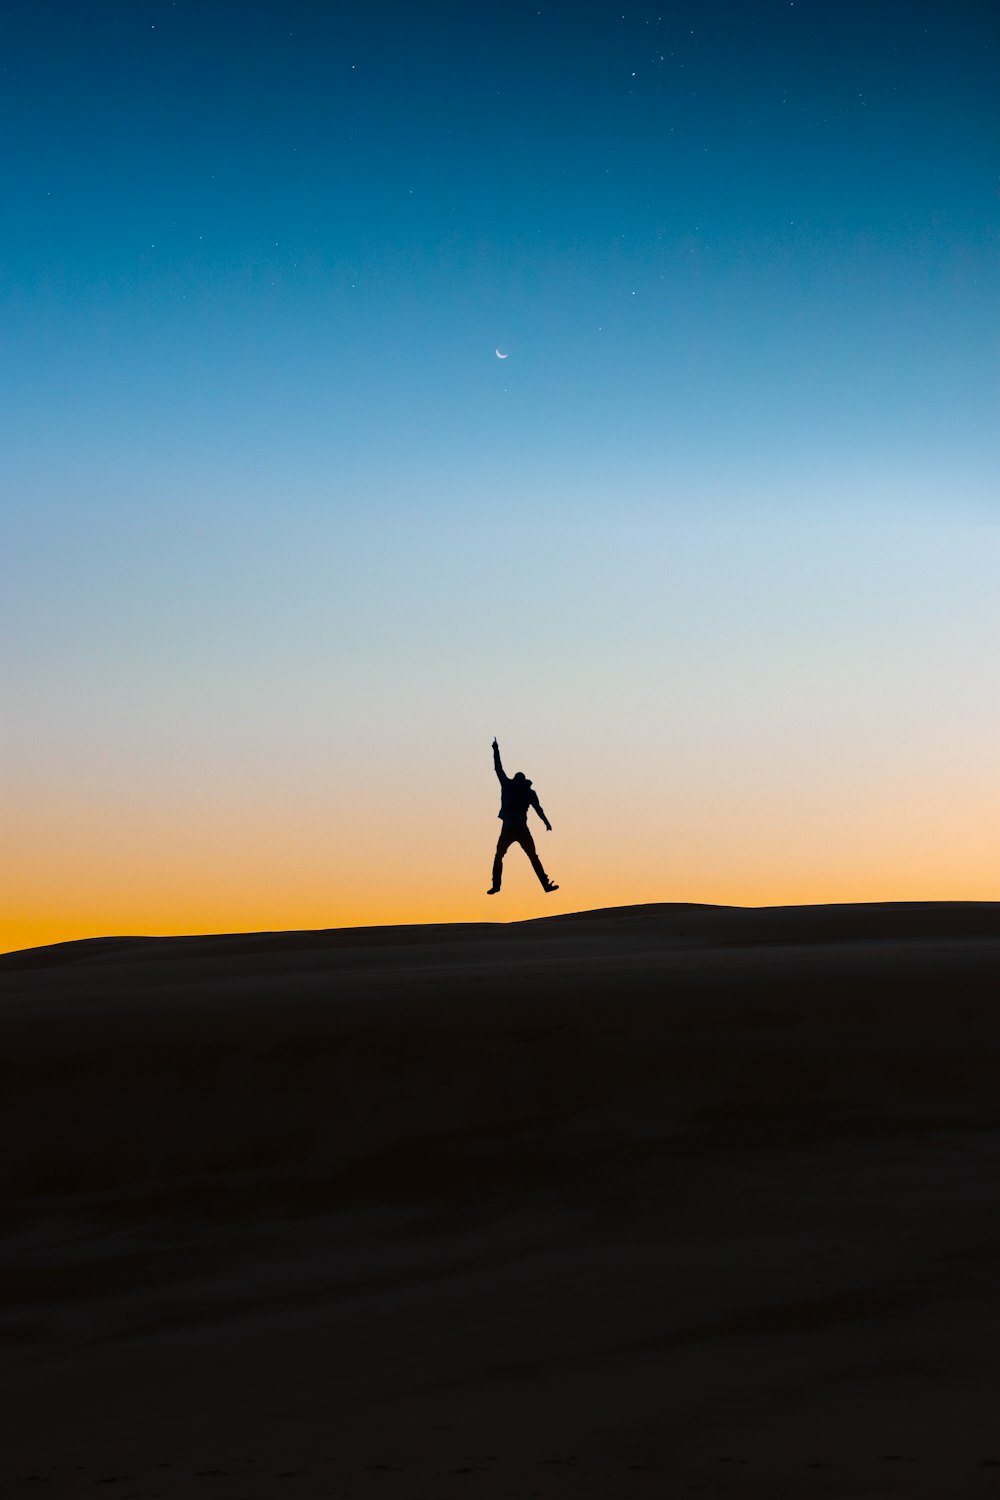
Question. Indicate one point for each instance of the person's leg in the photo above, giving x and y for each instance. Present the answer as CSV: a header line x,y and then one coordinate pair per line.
x,y
503,844
527,843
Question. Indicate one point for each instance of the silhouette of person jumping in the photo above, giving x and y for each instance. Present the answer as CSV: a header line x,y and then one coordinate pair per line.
x,y
516,796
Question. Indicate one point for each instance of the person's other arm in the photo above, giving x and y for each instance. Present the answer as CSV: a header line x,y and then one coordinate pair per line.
x,y
497,766
538,809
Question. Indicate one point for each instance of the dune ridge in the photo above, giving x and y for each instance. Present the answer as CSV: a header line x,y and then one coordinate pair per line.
x,y
681,921
327,1054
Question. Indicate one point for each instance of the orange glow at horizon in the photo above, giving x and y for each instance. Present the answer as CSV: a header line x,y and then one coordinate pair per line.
x,y
160,878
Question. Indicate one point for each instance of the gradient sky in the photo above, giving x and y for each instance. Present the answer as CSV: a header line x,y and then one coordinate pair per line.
x,y
714,552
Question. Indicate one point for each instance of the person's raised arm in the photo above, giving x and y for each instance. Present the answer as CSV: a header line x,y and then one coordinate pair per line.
x,y
538,809
496,763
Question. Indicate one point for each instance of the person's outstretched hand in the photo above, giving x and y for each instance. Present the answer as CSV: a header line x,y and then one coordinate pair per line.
x,y
494,742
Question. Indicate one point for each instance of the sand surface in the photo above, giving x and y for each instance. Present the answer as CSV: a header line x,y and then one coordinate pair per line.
x,y
643,1202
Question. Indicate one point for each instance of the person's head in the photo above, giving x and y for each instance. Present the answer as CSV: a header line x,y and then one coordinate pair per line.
x,y
520,776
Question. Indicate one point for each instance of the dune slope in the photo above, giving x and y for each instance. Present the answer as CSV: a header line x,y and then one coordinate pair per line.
x,y
634,1186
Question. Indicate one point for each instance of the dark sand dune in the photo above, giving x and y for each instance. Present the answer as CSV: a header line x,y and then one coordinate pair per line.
x,y
630,1202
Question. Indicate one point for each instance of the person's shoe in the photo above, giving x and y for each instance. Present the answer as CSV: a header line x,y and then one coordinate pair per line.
x,y
549,885
493,890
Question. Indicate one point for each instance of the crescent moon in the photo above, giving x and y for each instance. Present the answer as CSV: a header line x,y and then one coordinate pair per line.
x,y
501,356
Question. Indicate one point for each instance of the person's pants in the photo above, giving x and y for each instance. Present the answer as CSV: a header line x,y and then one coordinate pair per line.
x,y
515,833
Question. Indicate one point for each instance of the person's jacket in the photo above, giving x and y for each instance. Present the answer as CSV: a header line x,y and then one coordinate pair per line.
x,y
515,799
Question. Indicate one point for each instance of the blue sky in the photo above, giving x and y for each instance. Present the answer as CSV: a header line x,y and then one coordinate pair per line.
x,y
739,255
